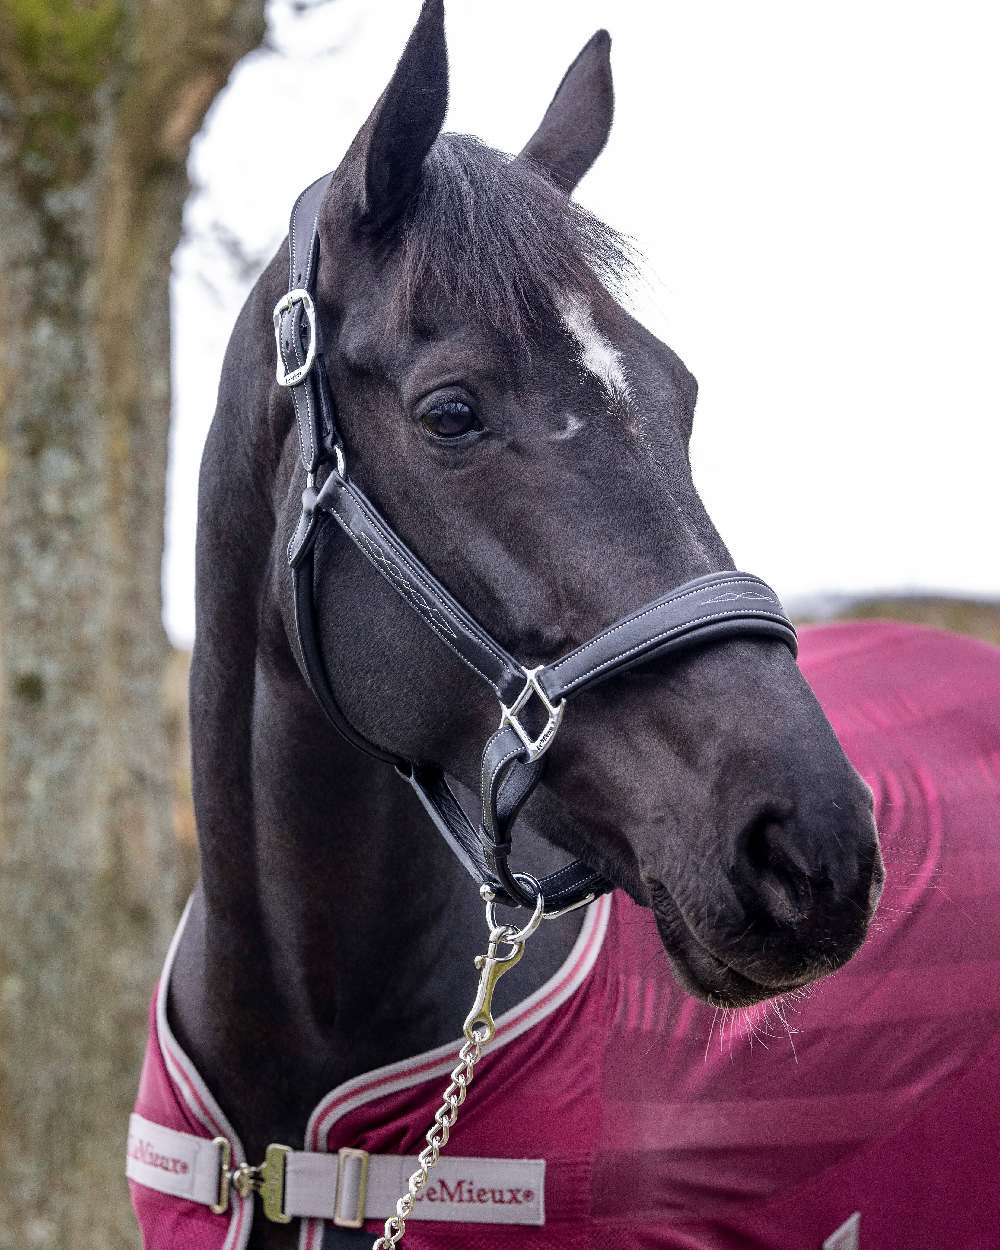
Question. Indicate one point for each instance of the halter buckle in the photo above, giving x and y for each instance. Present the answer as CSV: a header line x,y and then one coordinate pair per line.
x,y
535,747
299,295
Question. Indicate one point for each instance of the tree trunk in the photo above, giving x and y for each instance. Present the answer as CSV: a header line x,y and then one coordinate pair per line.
x,y
99,100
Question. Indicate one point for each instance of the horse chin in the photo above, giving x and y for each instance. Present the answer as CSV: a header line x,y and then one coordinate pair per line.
x,y
706,975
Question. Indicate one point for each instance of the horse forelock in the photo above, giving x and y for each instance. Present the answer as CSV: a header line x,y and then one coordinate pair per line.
x,y
491,239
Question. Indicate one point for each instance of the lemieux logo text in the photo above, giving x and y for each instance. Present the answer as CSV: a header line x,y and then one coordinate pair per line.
x,y
143,1152
467,1192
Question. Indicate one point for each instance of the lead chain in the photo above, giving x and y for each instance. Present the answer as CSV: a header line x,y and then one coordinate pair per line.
x,y
437,1139
479,1029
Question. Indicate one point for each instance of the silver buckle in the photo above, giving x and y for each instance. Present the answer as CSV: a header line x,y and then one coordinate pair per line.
x,y
355,1218
536,747
288,301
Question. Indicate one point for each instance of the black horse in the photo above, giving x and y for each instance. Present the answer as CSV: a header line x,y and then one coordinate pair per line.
x,y
529,439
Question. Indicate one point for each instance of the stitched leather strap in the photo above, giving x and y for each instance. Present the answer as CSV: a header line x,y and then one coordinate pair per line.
x,y
566,887
314,414
418,587
708,608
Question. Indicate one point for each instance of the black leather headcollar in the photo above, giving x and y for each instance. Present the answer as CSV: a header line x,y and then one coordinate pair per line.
x,y
719,606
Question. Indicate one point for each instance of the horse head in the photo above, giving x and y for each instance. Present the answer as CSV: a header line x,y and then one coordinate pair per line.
x,y
528,438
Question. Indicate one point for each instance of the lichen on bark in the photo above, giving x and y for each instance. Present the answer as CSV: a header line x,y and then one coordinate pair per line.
x,y
92,187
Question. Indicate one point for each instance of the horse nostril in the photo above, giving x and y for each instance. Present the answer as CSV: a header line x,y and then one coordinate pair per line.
x,y
779,873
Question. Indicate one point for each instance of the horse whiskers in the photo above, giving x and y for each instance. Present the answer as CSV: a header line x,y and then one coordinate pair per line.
x,y
711,1029
759,1023
779,1012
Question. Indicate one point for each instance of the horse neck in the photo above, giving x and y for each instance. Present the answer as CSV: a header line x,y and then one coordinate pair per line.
x,y
332,930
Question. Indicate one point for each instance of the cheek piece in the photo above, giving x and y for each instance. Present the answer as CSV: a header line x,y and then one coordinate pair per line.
x,y
709,609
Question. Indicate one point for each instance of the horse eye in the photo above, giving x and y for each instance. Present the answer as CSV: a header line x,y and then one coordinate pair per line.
x,y
450,419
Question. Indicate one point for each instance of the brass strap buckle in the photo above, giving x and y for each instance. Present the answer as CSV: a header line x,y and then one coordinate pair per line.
x,y
345,1157
272,1183
266,1179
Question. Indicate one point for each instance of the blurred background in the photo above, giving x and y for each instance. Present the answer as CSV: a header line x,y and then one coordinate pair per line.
x,y
816,194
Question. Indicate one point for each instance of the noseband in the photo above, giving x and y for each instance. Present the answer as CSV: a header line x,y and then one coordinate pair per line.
x,y
709,609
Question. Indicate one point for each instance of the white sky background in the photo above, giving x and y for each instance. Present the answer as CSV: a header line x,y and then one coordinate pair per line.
x,y
816,190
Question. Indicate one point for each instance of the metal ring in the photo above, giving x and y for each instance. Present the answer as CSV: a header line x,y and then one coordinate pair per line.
x,y
534,748
516,936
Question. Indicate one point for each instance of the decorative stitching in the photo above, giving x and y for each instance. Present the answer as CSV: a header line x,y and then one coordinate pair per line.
x,y
646,642
732,596
305,387
506,759
311,255
309,456
292,277
647,612
312,251
295,406
288,548
379,557
504,784
451,647
310,419
299,648
291,239
589,875
406,558
568,891
291,234
306,458
483,781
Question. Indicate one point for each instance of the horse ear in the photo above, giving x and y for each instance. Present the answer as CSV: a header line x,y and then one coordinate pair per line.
x,y
387,156
577,123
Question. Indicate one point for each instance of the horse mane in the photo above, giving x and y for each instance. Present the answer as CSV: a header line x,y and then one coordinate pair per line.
x,y
491,238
